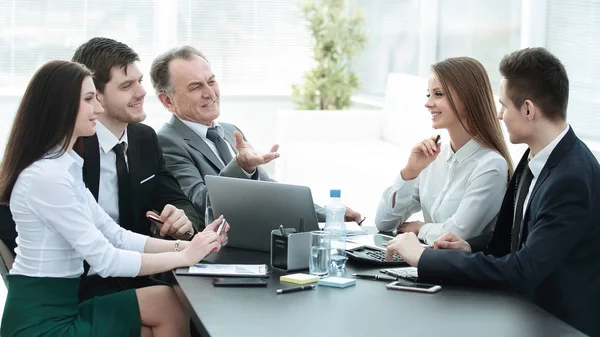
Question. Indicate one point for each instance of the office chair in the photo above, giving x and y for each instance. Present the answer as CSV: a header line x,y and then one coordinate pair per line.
x,y
7,261
8,235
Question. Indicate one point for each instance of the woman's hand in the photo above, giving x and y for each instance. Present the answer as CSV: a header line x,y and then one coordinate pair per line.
x,y
201,245
422,154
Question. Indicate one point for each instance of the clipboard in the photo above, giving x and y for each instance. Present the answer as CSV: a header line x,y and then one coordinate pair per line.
x,y
205,269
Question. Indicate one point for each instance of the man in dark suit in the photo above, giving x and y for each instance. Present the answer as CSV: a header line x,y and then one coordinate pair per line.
x,y
124,167
545,244
194,143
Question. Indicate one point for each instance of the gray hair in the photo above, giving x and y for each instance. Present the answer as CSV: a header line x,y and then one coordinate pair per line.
x,y
159,72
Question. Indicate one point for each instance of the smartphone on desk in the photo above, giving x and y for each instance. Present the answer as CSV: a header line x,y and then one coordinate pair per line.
x,y
419,287
239,282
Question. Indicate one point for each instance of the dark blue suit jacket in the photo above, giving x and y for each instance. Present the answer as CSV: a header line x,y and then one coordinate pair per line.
x,y
558,265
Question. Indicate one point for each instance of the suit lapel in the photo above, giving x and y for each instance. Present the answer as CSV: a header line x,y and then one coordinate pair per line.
x,y
195,141
561,148
229,138
91,164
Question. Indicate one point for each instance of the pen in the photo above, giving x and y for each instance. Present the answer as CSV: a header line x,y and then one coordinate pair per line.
x,y
282,230
221,226
361,221
375,277
292,290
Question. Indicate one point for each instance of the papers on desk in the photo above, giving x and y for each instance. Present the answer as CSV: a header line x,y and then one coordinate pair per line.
x,y
403,272
247,270
352,228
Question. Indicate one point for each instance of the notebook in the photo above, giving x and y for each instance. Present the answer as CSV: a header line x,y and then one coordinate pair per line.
x,y
299,278
246,270
336,282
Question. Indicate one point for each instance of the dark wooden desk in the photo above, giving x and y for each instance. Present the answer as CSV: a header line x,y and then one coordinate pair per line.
x,y
367,309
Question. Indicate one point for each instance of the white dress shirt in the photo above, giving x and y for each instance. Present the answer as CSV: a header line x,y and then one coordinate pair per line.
x,y
108,191
537,163
458,192
59,224
201,130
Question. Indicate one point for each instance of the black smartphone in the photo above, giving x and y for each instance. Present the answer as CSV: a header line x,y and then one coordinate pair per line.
x,y
239,282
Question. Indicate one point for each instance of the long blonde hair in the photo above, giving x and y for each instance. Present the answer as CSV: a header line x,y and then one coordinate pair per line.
x,y
471,84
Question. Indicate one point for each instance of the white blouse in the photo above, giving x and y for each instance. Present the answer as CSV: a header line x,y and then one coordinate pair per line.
x,y
458,192
59,224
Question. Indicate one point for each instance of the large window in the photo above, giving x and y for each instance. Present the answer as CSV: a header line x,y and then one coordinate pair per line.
x,y
255,46
393,35
483,29
407,36
34,32
572,35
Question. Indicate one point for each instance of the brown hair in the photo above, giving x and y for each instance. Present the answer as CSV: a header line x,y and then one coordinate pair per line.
x,y
471,84
45,119
537,75
101,55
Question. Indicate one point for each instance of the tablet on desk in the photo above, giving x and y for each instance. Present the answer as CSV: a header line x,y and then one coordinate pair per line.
x,y
375,241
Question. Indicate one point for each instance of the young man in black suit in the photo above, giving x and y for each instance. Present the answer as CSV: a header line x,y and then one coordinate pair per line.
x,y
123,164
124,167
546,241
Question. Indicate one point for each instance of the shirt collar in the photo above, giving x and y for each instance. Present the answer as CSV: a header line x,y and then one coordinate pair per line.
x,y
68,160
464,152
537,162
201,129
107,139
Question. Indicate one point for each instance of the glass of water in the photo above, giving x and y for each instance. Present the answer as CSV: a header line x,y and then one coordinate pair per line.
x,y
320,246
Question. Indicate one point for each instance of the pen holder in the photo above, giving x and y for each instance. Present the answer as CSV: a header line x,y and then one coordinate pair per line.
x,y
291,252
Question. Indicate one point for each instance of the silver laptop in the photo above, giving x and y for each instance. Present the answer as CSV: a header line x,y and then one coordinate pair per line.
x,y
254,208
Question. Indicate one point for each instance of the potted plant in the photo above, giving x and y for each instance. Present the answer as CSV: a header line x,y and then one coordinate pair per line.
x,y
337,34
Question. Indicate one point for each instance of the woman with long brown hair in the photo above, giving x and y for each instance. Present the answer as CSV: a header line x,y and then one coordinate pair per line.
x,y
459,186
59,225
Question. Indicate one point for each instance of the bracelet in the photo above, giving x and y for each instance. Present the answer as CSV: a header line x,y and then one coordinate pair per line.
x,y
177,243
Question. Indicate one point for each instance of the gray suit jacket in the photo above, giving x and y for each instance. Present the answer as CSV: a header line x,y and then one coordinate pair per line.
x,y
189,159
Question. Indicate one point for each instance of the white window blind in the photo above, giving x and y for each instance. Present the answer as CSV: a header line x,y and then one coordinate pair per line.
x,y
33,32
254,46
572,35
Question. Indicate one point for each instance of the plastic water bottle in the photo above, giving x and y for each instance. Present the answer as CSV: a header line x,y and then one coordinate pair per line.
x,y
334,224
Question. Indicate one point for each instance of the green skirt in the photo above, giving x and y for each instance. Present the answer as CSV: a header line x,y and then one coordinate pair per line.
x,y
44,306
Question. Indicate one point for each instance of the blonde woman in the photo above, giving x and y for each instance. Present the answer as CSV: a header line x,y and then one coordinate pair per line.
x,y
458,184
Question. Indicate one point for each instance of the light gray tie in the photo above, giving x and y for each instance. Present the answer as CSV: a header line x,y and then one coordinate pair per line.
x,y
213,135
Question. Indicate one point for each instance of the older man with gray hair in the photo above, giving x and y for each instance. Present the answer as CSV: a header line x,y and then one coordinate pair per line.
x,y
193,142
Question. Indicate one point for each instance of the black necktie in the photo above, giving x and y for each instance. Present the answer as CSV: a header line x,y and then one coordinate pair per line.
x,y
213,135
522,191
124,187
